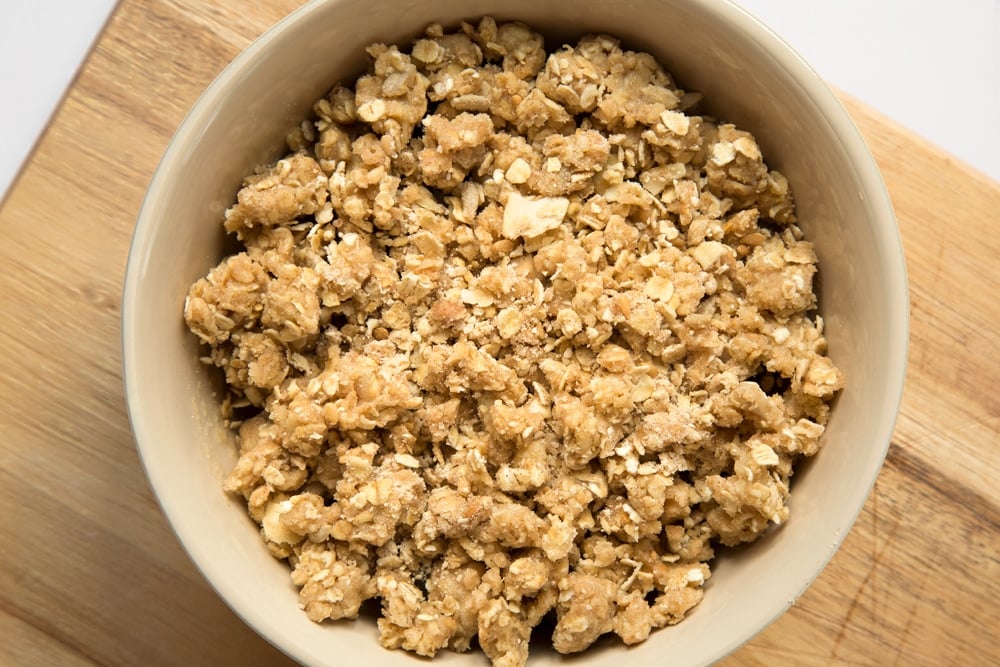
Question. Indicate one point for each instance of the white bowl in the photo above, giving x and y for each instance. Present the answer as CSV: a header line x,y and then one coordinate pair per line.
x,y
745,72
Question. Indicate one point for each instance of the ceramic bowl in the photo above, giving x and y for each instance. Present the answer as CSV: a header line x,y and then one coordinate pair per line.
x,y
746,74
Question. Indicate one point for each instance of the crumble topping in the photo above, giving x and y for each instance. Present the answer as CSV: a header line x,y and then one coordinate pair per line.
x,y
514,334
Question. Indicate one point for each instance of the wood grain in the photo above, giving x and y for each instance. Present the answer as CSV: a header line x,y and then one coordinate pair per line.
x,y
90,573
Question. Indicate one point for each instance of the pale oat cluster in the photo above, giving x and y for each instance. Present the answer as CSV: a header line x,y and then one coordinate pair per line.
x,y
514,334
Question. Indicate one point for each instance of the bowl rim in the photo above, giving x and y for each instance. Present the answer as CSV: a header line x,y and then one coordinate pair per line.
x,y
886,233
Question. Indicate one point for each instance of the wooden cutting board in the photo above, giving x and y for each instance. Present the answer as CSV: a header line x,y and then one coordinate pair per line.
x,y
90,573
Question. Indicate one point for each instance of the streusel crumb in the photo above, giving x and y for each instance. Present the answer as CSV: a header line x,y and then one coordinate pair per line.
x,y
514,335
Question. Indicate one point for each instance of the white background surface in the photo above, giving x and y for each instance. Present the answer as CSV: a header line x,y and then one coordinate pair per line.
x,y
42,43
931,66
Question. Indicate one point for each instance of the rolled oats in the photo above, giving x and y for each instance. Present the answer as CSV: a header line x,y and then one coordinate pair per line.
x,y
514,335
